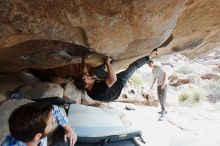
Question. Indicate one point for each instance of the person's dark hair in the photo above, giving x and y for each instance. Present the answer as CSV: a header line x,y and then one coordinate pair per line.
x,y
28,120
79,82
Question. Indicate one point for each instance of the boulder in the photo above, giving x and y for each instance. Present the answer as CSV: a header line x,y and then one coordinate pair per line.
x,y
71,92
60,80
174,80
86,100
41,90
2,98
46,35
210,76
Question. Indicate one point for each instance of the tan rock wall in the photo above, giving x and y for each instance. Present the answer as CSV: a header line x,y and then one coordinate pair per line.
x,y
48,34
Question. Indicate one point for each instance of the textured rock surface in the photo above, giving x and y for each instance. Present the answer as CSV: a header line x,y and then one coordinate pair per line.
x,y
2,98
71,92
210,76
197,29
41,90
47,34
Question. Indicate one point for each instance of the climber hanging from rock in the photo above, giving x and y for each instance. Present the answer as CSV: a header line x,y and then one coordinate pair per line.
x,y
111,84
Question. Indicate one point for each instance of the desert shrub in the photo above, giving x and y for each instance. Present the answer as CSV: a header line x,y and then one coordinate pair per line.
x,y
183,97
136,79
184,70
197,96
213,88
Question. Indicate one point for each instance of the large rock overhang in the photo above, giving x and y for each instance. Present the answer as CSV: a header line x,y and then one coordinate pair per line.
x,y
49,34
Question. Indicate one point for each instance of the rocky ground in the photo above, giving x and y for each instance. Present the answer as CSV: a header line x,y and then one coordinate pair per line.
x,y
183,125
188,123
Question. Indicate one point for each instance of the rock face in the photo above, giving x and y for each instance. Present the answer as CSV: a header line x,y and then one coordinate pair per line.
x,y
49,34
71,92
41,90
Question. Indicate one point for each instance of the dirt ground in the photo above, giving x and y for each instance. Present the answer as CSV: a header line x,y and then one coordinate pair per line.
x,y
196,125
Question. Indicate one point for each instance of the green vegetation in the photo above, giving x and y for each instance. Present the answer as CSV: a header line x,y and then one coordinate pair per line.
x,y
213,88
197,96
137,79
191,97
184,96
185,70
